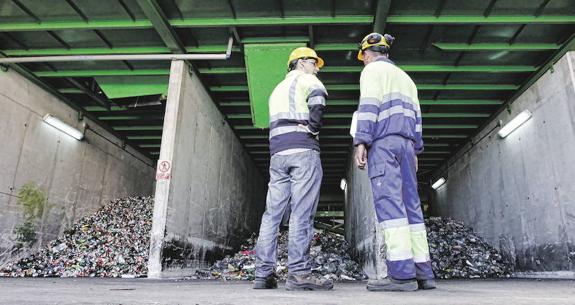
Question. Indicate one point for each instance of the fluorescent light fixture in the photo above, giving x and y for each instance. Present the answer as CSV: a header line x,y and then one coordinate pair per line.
x,y
515,123
63,127
438,183
343,184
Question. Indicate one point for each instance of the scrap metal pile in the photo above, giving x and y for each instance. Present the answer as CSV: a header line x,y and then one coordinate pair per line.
x,y
113,242
328,253
458,252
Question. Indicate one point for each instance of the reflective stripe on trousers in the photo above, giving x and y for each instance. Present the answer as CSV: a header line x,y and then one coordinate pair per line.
x,y
398,209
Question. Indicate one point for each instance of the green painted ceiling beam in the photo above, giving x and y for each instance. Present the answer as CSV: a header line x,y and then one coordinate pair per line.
x,y
278,21
100,108
351,87
348,137
346,126
160,22
137,128
354,102
112,51
144,137
479,46
241,70
320,47
269,21
75,25
275,39
440,68
348,116
150,145
125,72
474,19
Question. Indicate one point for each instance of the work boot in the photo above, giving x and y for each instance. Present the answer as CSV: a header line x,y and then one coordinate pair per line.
x,y
269,282
389,284
426,284
308,282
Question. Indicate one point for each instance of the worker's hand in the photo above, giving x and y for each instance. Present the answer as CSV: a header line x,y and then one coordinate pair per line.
x,y
306,128
360,156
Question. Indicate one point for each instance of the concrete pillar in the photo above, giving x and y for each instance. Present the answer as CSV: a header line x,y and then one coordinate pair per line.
x,y
361,227
209,193
517,192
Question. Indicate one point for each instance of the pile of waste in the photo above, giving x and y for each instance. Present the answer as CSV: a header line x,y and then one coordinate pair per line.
x,y
113,242
328,253
457,252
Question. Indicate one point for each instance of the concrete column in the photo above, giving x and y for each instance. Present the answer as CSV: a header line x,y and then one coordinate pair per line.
x,y
361,227
209,193
517,192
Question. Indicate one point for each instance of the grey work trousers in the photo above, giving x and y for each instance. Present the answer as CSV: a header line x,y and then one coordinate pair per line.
x,y
294,179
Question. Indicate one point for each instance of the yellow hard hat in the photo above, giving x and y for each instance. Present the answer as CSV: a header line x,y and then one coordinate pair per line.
x,y
304,52
375,41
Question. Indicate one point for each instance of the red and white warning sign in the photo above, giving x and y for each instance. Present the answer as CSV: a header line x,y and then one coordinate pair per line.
x,y
164,171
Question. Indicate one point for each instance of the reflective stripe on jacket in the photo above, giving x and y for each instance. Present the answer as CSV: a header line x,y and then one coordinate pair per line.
x,y
388,105
298,99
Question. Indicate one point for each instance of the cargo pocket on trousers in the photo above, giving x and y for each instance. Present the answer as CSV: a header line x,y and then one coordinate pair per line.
x,y
376,170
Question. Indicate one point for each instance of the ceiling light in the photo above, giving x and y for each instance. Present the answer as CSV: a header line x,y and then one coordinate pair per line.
x,y
438,183
515,123
63,127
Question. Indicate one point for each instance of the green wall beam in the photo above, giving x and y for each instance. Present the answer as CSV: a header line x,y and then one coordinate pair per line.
x,y
496,46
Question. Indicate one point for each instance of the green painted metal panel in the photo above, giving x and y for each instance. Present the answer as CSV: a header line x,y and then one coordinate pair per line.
x,y
266,66
127,86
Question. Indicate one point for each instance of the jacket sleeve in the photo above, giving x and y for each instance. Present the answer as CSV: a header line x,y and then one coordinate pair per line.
x,y
368,109
418,131
316,104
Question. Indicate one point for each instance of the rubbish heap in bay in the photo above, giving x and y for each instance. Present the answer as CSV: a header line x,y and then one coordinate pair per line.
x,y
112,242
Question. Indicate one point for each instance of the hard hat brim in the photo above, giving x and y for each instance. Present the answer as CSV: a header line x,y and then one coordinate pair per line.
x,y
320,62
360,55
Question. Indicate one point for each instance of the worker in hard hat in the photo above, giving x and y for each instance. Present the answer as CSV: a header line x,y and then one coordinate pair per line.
x,y
388,136
296,108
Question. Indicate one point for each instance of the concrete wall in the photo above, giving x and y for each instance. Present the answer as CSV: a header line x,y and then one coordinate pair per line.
x,y
77,176
213,196
517,192
361,229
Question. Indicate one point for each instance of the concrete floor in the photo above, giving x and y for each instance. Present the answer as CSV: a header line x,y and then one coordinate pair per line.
x,y
145,291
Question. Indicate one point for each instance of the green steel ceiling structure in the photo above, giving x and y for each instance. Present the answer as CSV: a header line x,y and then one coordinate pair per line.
x,y
468,58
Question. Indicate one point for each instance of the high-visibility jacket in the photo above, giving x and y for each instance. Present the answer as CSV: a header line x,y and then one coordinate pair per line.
x,y
298,99
388,105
